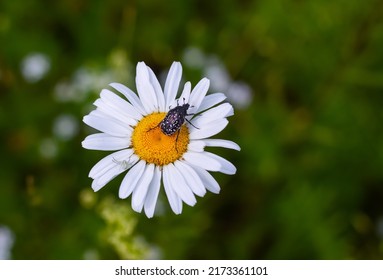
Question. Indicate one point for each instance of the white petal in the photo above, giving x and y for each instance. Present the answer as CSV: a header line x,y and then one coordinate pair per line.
x,y
196,146
185,95
226,166
191,178
139,193
131,179
209,182
210,161
105,142
202,160
110,112
174,200
220,143
107,125
123,106
220,112
126,163
110,171
101,114
172,83
198,95
211,100
152,195
130,95
105,178
109,162
207,130
145,89
95,185
107,113
179,185
184,98
158,90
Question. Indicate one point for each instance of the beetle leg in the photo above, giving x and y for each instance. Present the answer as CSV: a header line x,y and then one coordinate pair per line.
x,y
177,140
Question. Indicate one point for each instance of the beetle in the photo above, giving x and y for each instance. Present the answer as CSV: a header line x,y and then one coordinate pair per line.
x,y
174,120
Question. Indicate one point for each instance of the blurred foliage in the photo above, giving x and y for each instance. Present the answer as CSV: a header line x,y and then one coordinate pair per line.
x,y
310,173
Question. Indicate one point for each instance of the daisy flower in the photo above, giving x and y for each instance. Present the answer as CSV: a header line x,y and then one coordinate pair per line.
x,y
178,161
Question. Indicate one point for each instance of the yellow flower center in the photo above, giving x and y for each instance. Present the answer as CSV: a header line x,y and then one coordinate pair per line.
x,y
153,146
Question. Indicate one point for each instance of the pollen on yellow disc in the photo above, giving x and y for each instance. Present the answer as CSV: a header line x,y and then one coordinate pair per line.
x,y
153,146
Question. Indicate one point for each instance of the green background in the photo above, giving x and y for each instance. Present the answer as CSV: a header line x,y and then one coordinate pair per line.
x,y
309,182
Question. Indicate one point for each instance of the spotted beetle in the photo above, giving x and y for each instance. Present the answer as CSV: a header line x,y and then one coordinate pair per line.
x,y
174,119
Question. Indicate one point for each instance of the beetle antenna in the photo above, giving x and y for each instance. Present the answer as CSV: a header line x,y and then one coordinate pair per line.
x,y
191,123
